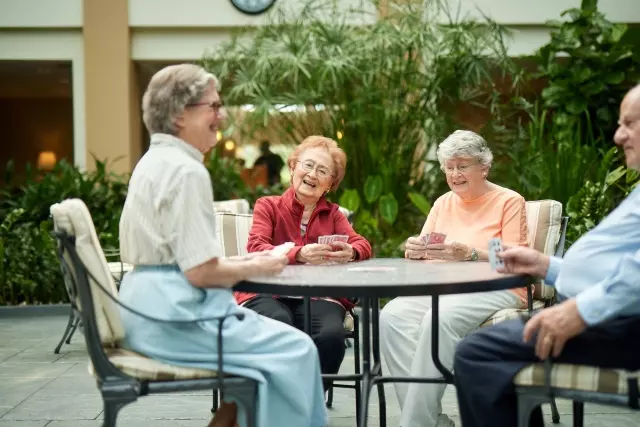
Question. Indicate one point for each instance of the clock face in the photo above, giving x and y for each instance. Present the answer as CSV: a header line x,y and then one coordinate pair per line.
x,y
253,7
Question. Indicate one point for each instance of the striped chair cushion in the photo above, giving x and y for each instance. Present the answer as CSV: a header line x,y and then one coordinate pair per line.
x,y
73,217
544,218
119,269
233,232
143,368
575,377
509,313
240,206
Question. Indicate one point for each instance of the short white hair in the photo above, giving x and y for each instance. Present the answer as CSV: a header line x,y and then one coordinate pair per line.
x,y
169,92
464,143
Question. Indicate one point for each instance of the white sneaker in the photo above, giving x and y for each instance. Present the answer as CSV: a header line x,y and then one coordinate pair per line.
x,y
444,421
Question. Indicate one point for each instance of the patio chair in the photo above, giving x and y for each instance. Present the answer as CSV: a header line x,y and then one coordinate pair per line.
x,y
233,232
123,376
539,382
117,269
240,206
547,231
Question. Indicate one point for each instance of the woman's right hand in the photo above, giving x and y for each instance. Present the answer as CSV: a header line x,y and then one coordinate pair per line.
x,y
415,248
314,253
268,265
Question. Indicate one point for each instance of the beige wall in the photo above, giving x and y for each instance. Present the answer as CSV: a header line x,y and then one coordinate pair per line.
x,y
111,95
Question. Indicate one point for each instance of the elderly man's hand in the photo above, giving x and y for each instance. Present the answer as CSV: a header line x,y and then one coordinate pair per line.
x,y
555,326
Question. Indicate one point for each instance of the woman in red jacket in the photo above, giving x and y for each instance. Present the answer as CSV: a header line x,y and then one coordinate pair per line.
x,y
301,215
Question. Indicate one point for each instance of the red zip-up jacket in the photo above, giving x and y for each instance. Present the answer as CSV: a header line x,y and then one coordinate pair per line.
x,y
276,220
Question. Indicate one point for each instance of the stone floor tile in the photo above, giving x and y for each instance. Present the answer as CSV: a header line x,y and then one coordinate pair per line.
x,y
31,370
60,408
42,423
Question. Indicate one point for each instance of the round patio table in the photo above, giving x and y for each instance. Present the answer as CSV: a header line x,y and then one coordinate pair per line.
x,y
383,277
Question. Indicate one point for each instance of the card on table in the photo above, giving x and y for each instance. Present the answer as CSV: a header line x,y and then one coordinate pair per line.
x,y
495,246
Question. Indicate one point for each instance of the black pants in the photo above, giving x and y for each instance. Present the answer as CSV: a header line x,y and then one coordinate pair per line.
x,y
487,360
327,330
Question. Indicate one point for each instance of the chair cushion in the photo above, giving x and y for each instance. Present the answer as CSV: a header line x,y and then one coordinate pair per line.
x,y
348,322
509,313
575,377
119,269
544,218
240,206
73,217
233,232
144,368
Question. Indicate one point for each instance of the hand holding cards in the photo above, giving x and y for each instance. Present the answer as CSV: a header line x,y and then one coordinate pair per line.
x,y
327,240
433,238
495,246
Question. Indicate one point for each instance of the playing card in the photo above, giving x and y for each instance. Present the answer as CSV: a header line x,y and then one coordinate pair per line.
x,y
341,238
283,249
436,238
322,240
425,238
495,245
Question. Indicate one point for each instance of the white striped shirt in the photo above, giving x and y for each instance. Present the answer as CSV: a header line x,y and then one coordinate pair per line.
x,y
168,216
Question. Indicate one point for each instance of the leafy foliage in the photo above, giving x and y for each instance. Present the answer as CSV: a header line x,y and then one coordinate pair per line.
x,y
385,87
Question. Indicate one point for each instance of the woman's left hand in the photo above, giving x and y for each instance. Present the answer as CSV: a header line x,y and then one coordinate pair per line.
x,y
342,252
448,251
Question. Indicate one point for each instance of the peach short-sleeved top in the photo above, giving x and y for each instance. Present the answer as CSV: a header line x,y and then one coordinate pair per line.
x,y
499,213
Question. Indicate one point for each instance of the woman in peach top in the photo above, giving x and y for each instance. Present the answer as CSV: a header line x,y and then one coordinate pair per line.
x,y
472,213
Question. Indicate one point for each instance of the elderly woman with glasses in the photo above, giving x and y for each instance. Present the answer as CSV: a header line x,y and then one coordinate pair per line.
x,y
473,212
302,215
167,230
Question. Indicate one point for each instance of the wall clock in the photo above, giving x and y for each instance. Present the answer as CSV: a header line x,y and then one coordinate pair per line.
x,y
253,7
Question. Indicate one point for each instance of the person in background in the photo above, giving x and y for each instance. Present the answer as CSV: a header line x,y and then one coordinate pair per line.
x,y
596,324
302,215
272,161
167,231
473,212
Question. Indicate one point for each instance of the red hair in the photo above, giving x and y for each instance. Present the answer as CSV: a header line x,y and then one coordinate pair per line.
x,y
337,154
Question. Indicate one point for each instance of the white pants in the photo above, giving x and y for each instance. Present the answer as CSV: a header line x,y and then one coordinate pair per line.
x,y
405,340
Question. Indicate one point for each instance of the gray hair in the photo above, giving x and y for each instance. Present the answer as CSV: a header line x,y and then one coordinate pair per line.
x,y
169,92
464,143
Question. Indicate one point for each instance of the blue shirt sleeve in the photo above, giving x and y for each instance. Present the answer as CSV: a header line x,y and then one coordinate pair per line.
x,y
554,268
611,296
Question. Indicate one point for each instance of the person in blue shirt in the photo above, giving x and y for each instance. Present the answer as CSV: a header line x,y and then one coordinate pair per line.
x,y
597,323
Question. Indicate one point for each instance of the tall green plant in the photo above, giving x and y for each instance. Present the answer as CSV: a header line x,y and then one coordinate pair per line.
x,y
589,68
390,88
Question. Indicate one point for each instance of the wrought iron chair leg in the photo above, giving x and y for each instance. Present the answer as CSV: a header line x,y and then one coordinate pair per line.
x,y
111,409
73,329
578,414
555,415
527,402
72,317
216,400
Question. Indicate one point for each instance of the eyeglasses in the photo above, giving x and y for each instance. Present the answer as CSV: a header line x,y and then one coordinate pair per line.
x,y
216,106
310,165
461,168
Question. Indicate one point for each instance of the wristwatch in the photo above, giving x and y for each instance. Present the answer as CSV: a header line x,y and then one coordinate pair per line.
x,y
474,255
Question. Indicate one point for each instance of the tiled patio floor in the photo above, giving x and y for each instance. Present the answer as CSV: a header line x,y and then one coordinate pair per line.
x,y
39,388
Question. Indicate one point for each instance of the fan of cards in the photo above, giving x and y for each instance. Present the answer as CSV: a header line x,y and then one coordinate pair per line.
x,y
327,240
495,246
433,238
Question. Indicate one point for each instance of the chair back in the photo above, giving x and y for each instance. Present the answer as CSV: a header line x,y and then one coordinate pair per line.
x,y
240,206
82,260
545,225
347,213
232,231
